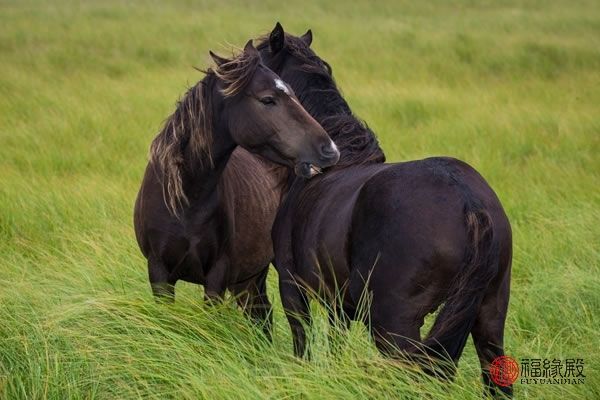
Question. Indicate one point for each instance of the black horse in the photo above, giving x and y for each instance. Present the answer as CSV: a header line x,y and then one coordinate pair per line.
x,y
414,235
182,225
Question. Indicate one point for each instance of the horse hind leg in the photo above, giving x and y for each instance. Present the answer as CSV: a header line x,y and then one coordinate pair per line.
x,y
488,332
395,326
393,316
163,288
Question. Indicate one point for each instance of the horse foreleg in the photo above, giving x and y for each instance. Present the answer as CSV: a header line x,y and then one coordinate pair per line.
x,y
296,307
163,288
215,282
254,301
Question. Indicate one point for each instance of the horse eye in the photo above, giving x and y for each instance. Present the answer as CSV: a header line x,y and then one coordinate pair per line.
x,y
267,100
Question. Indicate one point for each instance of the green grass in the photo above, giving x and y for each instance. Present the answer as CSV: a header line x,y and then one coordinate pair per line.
x,y
513,88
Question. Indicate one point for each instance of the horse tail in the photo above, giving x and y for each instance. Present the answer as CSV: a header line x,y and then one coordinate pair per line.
x,y
451,328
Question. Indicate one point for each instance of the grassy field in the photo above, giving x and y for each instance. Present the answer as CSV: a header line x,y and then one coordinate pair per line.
x,y
513,88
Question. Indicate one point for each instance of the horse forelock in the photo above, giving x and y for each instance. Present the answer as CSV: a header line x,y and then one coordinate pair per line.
x,y
237,73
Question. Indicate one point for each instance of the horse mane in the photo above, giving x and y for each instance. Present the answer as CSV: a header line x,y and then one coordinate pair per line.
x,y
187,134
356,142
321,97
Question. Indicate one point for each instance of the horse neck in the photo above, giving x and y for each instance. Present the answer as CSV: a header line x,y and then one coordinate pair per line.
x,y
202,175
324,103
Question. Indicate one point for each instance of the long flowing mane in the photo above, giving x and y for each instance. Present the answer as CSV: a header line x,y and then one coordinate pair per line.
x,y
187,134
321,97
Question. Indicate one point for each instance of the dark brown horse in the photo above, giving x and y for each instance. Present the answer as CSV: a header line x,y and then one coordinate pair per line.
x,y
414,235
192,225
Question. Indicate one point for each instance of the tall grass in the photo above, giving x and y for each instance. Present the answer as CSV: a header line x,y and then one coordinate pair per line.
x,y
510,87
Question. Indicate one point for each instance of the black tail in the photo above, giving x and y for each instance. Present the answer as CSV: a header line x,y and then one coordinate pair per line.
x,y
453,324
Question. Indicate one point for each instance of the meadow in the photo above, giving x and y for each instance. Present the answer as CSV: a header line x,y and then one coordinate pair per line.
x,y
511,87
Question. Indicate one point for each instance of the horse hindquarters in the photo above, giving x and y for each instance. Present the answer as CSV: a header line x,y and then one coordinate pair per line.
x,y
409,235
451,328
393,261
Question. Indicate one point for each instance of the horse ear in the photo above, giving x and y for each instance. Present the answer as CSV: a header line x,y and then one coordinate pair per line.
x,y
217,59
250,49
307,37
276,39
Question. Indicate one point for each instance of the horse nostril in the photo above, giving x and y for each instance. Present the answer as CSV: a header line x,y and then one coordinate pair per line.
x,y
329,154
327,151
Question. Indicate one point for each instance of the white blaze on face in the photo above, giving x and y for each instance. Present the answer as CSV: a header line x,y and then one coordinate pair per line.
x,y
279,84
